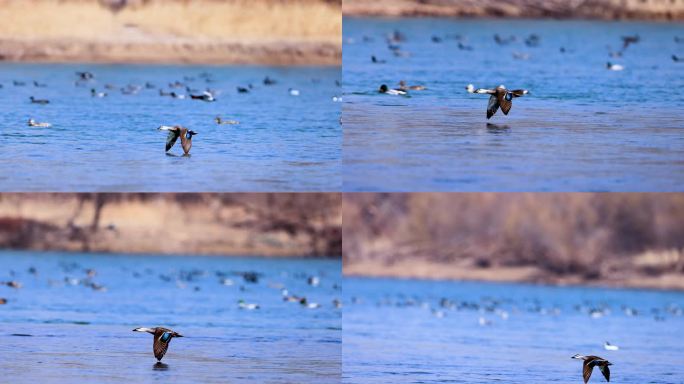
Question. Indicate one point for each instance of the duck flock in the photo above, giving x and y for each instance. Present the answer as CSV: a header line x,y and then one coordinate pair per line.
x,y
199,88
496,312
396,40
239,286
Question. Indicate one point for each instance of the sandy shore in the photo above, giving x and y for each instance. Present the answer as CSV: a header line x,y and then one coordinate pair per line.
x,y
266,32
439,271
561,9
212,224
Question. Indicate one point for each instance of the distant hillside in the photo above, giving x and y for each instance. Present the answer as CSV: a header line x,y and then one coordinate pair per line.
x,y
561,9
281,224
622,239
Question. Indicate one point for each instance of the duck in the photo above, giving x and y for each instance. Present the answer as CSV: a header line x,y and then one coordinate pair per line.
x,y
204,96
242,90
85,76
39,101
677,59
627,40
269,81
220,121
396,92
594,361
18,83
95,93
404,87
610,347
500,97
175,132
614,67
179,96
247,306
33,123
293,92
162,338
377,61
3,301
39,85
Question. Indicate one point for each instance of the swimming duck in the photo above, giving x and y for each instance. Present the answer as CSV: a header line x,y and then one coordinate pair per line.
x,y
39,101
18,83
95,93
594,361
39,85
610,347
677,59
220,121
247,306
377,61
396,92
614,67
204,96
33,123
464,47
293,92
3,301
162,338
174,133
269,81
13,284
85,76
627,40
500,97
177,95
404,87
242,90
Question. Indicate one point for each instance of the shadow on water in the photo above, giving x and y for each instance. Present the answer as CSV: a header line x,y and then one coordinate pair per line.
x,y
159,366
498,128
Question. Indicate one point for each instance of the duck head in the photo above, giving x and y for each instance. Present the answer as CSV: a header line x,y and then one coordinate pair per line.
x,y
470,88
190,134
383,88
577,356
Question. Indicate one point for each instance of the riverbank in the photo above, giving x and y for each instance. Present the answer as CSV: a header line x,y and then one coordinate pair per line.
x,y
275,225
425,270
261,32
557,9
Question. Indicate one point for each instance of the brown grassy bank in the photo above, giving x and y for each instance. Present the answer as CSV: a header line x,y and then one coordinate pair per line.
x,y
560,9
634,240
276,32
278,224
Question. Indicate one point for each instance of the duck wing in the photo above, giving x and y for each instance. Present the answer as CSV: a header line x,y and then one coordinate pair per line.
x,y
606,371
505,101
493,106
588,367
518,92
161,344
171,138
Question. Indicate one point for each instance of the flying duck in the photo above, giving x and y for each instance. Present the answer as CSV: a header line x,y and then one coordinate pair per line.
x,y
175,132
500,97
594,361
220,121
397,92
39,101
162,338
33,123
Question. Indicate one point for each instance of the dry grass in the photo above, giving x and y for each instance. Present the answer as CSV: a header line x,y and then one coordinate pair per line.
x,y
306,224
592,236
262,20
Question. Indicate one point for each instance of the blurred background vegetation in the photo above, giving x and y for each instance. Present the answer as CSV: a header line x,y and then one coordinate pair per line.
x,y
588,236
279,224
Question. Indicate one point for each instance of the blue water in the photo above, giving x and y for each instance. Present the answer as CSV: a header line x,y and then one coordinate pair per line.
x,y
393,332
283,142
75,333
582,128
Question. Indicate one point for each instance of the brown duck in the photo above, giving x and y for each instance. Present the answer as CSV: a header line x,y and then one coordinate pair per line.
x,y
500,97
594,361
175,132
162,338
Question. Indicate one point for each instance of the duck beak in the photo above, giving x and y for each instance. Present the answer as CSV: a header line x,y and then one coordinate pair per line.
x,y
178,335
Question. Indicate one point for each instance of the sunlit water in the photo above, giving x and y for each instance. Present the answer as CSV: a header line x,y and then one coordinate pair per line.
x,y
582,128
283,142
56,332
402,331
